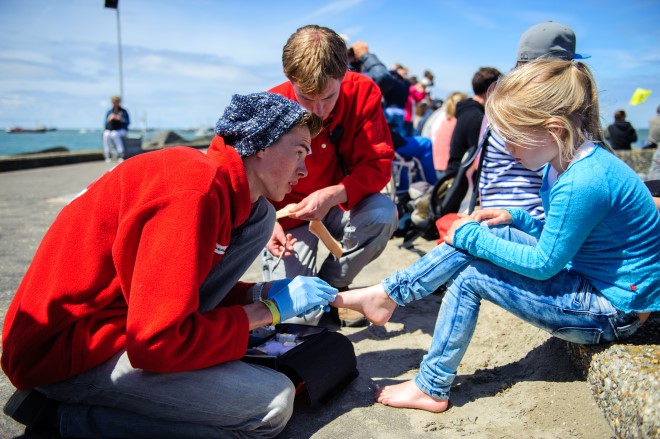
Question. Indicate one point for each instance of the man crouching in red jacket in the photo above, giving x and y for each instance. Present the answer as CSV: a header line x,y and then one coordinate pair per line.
x,y
118,330
350,163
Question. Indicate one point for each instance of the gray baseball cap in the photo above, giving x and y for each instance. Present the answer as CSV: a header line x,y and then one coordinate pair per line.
x,y
549,39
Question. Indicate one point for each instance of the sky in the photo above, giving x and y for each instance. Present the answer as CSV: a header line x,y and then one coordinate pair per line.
x,y
183,59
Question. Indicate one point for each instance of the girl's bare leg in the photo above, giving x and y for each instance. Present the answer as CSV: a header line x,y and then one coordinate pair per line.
x,y
408,395
372,301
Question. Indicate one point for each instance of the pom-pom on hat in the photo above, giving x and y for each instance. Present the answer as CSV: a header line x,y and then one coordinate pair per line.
x,y
253,122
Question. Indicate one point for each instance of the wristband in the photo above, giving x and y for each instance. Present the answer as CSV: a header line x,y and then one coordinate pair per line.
x,y
256,291
272,307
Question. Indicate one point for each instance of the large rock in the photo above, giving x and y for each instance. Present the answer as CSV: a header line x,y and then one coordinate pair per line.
x,y
625,380
163,139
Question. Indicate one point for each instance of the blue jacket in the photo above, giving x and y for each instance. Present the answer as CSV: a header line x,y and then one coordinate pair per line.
x,y
600,221
125,120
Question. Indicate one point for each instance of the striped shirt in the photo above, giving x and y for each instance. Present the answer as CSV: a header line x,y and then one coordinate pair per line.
x,y
507,184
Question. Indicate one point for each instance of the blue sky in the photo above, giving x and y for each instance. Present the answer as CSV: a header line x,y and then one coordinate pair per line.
x,y
183,59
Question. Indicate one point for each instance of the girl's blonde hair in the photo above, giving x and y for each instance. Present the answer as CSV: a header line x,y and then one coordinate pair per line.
x,y
450,103
555,95
313,55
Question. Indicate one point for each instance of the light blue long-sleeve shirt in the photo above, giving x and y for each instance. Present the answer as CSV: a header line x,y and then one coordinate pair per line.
x,y
600,221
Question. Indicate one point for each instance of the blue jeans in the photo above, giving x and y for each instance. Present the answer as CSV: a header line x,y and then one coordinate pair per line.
x,y
566,306
232,399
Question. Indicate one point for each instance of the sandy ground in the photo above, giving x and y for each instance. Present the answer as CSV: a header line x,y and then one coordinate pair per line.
x,y
515,380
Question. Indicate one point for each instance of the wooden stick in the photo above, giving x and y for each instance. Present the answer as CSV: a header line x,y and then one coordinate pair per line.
x,y
284,212
317,228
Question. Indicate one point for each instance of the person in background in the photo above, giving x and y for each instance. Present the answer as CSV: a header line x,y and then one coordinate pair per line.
x,y
469,116
428,79
116,128
654,131
131,320
393,86
416,94
504,182
621,133
442,136
395,92
350,163
542,271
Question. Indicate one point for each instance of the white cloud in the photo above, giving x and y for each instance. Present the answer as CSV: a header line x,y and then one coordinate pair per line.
x,y
335,7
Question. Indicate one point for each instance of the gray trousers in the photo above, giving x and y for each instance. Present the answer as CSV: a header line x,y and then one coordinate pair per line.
x,y
363,232
232,399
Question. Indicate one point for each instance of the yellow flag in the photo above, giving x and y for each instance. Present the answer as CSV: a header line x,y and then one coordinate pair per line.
x,y
639,96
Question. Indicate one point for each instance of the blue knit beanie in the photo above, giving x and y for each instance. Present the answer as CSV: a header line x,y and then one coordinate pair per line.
x,y
253,122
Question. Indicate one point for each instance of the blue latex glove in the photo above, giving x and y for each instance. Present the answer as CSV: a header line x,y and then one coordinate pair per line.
x,y
277,286
300,295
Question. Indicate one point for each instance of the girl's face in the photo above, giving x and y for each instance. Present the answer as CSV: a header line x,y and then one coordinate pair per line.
x,y
544,150
283,163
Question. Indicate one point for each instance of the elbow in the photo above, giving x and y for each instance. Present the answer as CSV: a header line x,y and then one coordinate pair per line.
x,y
155,355
545,271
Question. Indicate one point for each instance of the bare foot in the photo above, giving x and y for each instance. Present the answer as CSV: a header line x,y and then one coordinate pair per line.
x,y
408,395
372,301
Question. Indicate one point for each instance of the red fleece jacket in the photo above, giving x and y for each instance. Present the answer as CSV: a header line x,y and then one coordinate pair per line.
x,y
121,267
366,146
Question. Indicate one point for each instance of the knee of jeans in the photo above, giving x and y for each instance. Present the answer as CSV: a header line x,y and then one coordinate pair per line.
x,y
469,277
375,209
281,409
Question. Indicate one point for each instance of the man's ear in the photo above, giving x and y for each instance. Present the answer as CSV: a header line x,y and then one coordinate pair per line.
x,y
261,153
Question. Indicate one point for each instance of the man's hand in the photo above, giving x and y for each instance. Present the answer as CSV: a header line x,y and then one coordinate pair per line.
x,y
280,242
316,205
360,48
301,295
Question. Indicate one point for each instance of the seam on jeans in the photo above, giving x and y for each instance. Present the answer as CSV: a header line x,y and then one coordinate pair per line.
x,y
460,299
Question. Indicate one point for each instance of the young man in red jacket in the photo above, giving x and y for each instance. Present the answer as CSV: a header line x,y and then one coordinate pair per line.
x,y
117,323
350,163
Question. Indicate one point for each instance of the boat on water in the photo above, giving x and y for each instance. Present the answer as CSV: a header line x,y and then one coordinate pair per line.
x,y
37,129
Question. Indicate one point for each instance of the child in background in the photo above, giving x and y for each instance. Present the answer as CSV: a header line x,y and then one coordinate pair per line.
x,y
589,273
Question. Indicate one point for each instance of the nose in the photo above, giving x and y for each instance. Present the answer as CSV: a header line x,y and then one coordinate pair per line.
x,y
317,108
302,170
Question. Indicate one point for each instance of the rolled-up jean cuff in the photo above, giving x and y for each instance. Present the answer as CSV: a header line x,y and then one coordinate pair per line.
x,y
389,285
427,390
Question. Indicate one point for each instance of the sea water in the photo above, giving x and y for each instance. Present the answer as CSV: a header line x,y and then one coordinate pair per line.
x,y
80,140
73,140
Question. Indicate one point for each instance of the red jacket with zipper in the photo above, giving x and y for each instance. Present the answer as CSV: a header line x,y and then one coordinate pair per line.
x,y
366,146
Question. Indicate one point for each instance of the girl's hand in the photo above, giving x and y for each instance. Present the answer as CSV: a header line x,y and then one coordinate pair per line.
x,y
449,239
493,217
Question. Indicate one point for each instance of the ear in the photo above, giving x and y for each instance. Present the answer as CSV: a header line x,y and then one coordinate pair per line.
x,y
261,154
556,127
